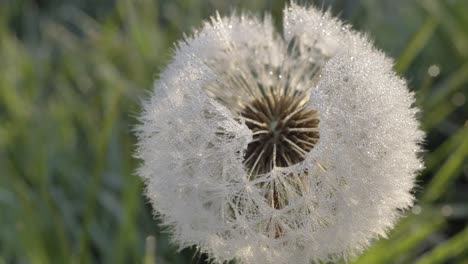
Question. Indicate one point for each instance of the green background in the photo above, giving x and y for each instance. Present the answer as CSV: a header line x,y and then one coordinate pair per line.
x,y
72,74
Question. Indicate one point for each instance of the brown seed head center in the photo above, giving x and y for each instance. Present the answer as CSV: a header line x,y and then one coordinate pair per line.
x,y
284,129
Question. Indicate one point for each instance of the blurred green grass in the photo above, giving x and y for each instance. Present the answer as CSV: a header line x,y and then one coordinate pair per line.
x,y
72,74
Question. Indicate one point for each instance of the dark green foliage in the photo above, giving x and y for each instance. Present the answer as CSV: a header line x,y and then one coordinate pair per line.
x,y
71,76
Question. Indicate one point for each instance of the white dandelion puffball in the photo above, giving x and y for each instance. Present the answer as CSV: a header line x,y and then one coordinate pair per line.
x,y
279,148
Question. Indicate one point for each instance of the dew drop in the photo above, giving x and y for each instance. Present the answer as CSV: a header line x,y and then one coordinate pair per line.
x,y
458,99
416,209
446,210
433,70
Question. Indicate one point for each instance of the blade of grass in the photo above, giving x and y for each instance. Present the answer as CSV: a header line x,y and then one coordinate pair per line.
x,y
454,30
437,115
445,175
150,250
416,44
449,249
386,250
126,235
443,150
455,82
101,142
27,225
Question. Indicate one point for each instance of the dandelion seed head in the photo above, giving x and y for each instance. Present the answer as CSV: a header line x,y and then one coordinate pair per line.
x,y
270,148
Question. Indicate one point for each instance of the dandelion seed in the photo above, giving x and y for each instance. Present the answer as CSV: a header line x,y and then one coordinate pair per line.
x,y
279,149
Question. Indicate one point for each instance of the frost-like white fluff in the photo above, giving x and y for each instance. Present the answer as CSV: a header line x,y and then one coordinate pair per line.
x,y
351,186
